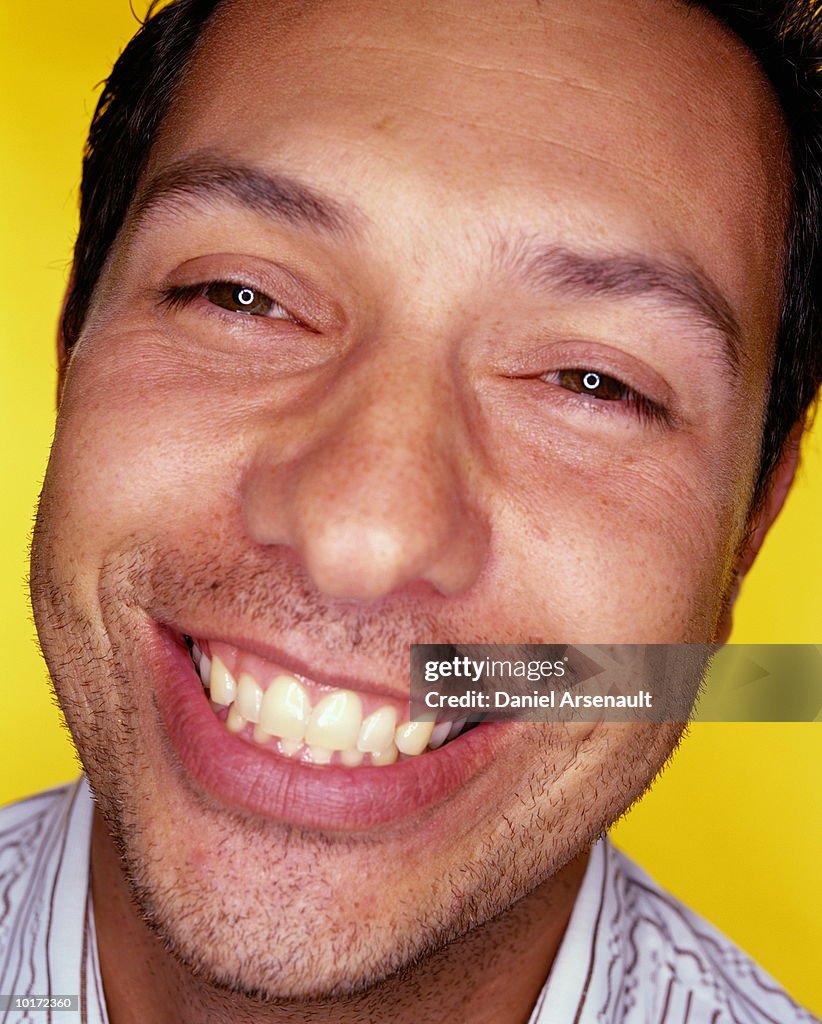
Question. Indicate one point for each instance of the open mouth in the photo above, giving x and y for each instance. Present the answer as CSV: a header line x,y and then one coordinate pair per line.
x,y
334,753
297,718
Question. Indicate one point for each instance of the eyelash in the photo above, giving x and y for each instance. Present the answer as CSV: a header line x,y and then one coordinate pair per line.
x,y
645,409
180,296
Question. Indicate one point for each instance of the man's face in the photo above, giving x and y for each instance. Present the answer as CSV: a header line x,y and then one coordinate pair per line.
x,y
524,264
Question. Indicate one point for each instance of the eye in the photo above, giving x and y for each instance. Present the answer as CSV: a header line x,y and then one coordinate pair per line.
x,y
229,295
597,385
606,389
242,298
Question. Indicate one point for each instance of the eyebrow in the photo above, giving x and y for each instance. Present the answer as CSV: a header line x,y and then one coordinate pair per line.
x,y
274,195
677,286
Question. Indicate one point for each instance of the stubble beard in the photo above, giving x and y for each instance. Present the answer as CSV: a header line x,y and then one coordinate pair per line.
x,y
285,936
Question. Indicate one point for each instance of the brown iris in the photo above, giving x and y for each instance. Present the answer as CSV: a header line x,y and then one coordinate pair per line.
x,y
239,298
597,385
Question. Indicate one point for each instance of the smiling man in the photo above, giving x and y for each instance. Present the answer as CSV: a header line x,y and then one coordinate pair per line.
x,y
391,323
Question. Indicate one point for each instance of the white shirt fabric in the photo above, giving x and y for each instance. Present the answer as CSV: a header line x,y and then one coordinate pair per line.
x,y
631,953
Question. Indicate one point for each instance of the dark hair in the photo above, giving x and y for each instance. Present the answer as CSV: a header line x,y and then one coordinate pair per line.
x,y
784,35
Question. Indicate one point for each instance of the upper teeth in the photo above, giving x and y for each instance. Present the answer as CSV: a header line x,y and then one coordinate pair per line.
x,y
335,723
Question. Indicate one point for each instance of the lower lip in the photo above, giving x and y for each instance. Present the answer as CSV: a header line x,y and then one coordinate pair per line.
x,y
324,797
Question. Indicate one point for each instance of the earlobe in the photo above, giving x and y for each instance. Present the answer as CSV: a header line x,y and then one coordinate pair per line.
x,y
772,504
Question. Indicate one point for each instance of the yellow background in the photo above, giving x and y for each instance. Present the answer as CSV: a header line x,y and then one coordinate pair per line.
x,y
734,827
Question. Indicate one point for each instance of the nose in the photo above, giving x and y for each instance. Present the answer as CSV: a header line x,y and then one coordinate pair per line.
x,y
374,494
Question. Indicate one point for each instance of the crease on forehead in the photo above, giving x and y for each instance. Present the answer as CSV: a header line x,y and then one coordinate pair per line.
x,y
330,38
751,183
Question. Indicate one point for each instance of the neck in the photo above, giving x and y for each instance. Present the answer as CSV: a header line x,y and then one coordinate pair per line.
x,y
493,974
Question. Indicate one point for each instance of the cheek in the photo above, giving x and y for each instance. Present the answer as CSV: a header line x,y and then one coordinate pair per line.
x,y
134,452
627,555
627,549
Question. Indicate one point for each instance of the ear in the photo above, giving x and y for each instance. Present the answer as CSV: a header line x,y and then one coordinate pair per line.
x,y
62,348
778,488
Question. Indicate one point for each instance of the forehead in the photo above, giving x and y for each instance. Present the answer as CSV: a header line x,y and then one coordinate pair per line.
x,y
645,122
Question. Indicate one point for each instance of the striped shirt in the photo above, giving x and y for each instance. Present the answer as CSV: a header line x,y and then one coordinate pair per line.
x,y
631,953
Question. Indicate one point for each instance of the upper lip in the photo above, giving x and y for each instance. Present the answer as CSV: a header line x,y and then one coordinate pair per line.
x,y
298,666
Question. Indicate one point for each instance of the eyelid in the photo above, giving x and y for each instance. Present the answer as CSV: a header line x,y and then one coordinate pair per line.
x,y
552,350
291,287
646,409
181,296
